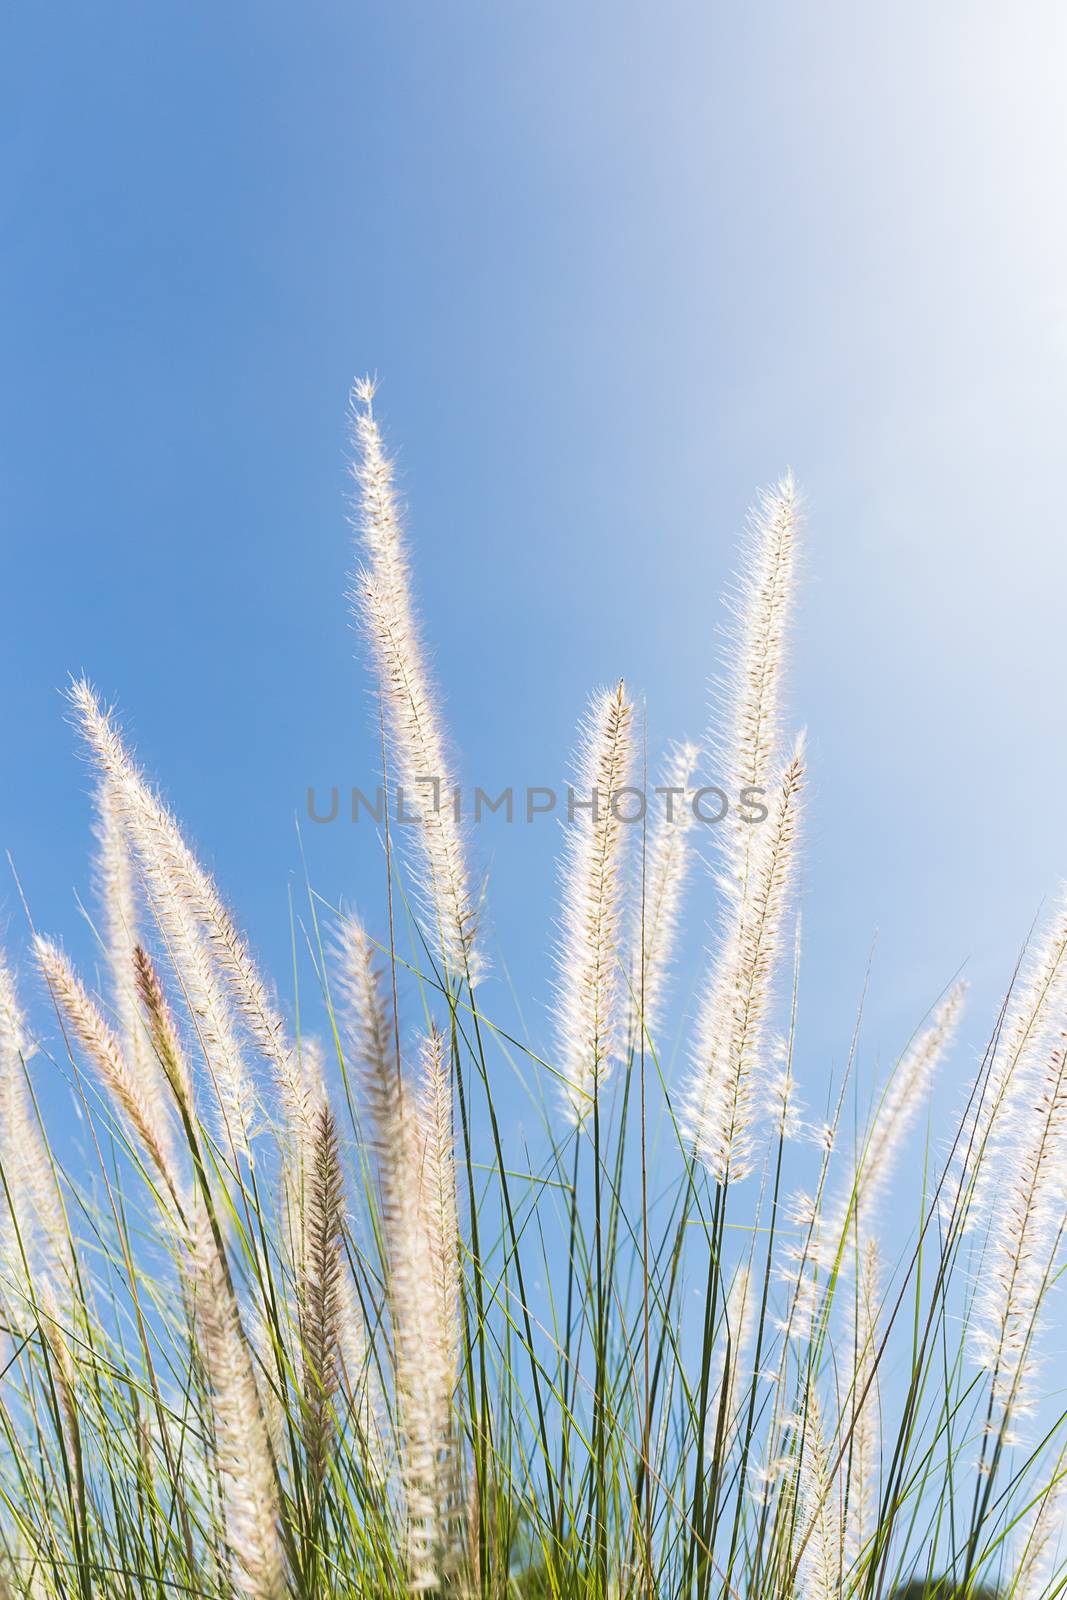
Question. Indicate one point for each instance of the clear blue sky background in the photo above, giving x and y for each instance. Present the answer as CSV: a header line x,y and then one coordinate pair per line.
x,y
617,266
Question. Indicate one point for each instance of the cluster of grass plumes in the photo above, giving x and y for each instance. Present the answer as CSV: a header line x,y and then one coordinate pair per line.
x,y
298,1314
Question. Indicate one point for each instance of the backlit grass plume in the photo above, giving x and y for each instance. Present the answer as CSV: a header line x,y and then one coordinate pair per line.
x,y
410,1131
817,1549
757,861
746,739
33,1227
251,1505
139,1108
315,1296
176,887
851,1220
589,987
421,767
1029,1216
729,1053
667,863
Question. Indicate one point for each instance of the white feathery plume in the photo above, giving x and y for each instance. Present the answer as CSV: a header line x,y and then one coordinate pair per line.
x,y
369,1030
1023,1244
359,1374
588,981
865,1414
410,1284
817,1529
734,1341
313,1070
756,856
411,1136
421,765
904,1095
299,1149
368,1026
727,1060
747,750
1039,1540
441,1313
34,1197
667,862
242,1444
1027,1032
100,1045
393,1137
257,1010
175,885
115,887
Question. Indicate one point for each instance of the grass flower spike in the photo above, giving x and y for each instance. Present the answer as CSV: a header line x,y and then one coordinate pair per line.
x,y
589,986
757,858
667,864
175,885
421,766
242,1443
31,1211
728,1058
1025,1241
139,1109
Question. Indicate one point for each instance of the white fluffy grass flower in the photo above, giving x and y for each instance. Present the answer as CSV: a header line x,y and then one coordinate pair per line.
x,y
863,1460
116,890
746,745
1039,1538
727,1060
419,1206
756,857
421,765
178,894
668,858
31,1211
1028,1030
410,1133
242,1443
817,1543
1025,1237
905,1094
151,1127
589,980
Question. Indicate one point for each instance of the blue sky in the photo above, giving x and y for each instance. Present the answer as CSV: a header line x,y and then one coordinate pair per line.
x,y
616,267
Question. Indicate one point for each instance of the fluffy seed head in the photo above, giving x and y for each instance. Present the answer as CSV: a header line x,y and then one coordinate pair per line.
x,y
1028,1032
138,1110
817,1532
746,743
177,891
242,1443
32,1200
667,864
728,1059
865,1456
1020,1264
589,981
901,1103
421,767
